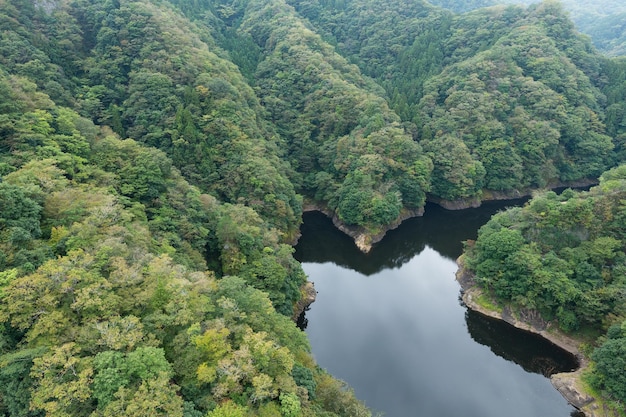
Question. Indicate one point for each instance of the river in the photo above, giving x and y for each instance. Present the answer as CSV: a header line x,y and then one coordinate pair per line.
x,y
390,323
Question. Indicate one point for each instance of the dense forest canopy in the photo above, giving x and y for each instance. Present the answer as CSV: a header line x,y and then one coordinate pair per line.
x,y
156,156
603,20
563,256
502,98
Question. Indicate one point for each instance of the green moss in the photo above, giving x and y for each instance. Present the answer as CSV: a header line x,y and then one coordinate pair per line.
x,y
486,302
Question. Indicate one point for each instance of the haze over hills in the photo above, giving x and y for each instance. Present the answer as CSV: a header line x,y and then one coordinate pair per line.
x,y
603,20
470,82
156,157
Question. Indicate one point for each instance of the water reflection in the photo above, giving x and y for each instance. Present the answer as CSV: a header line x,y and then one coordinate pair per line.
x,y
390,323
530,351
441,229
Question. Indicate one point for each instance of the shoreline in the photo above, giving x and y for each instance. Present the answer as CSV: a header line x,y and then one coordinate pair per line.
x,y
365,240
493,195
568,384
362,239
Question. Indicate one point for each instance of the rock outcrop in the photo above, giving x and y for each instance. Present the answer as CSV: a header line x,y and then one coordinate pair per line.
x,y
569,384
308,296
363,238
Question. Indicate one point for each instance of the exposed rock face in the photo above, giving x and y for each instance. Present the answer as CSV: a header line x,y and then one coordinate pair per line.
x,y
309,294
569,384
528,320
460,204
492,195
570,387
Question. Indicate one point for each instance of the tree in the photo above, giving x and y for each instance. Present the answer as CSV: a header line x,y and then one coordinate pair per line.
x,y
609,360
456,174
62,382
155,397
289,405
214,346
228,409
20,215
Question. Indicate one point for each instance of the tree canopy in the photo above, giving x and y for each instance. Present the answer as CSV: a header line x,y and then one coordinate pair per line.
x,y
563,256
155,157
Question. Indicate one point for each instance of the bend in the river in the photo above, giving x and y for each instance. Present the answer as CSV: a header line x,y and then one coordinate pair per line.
x,y
391,324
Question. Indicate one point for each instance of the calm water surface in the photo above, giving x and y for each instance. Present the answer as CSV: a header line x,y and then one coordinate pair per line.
x,y
390,323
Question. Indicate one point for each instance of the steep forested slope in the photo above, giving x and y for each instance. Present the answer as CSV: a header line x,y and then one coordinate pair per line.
x,y
106,304
153,76
463,5
155,157
348,147
526,107
606,24
564,257
615,91
603,20
504,98
399,43
166,81
124,290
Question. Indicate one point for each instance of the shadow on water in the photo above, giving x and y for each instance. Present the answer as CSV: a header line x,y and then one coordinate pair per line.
x,y
441,229
394,327
532,352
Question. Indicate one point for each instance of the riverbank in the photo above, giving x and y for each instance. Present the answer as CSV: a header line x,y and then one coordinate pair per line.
x,y
569,384
308,295
492,195
363,238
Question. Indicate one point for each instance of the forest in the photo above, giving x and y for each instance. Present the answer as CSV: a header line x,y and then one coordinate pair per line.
x,y
156,157
562,255
603,20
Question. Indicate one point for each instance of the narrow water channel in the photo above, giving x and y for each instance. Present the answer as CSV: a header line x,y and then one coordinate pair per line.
x,y
390,323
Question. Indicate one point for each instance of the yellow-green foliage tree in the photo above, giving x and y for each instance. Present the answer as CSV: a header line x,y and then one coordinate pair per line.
x,y
106,301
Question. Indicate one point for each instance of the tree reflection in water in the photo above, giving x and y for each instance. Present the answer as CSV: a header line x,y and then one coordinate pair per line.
x,y
530,351
391,325
443,230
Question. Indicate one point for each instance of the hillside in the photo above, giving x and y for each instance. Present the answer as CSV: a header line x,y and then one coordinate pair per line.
x,y
156,157
604,20
503,98
560,259
124,289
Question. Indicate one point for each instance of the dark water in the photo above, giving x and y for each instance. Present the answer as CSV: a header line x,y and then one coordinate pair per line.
x,y
390,323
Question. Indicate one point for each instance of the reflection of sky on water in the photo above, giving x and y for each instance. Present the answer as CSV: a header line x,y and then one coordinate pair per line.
x,y
400,338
